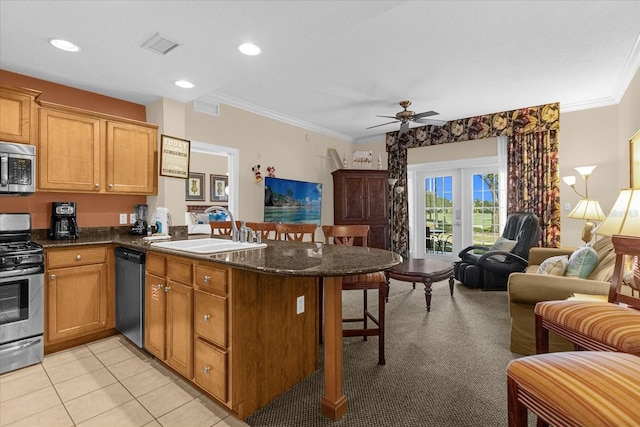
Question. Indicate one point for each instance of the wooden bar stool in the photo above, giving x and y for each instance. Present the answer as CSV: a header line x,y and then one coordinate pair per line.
x,y
584,388
267,230
296,232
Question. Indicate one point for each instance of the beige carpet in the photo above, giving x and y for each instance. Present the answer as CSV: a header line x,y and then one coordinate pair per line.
x,y
444,368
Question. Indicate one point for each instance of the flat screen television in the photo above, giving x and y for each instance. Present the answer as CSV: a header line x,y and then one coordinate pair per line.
x,y
288,201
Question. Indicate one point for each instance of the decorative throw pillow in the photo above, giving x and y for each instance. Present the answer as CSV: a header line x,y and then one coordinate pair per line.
x,y
554,266
193,218
504,245
582,262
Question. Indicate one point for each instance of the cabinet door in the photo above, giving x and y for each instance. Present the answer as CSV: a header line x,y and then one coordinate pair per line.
x,y
376,188
180,328
353,198
131,158
69,155
16,119
155,315
78,301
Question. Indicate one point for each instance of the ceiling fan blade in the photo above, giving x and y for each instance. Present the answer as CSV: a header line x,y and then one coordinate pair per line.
x,y
425,114
389,117
431,122
384,124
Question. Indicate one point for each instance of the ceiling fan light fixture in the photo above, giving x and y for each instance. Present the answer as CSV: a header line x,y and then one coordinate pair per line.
x,y
65,45
249,49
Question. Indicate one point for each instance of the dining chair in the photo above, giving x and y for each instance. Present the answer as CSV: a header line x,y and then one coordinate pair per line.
x,y
595,325
267,230
222,228
358,234
296,232
575,388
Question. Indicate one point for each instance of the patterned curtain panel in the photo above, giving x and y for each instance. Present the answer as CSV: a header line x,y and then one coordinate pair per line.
x,y
541,119
534,182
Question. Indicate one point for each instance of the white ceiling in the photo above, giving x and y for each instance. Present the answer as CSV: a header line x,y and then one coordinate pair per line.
x,y
332,66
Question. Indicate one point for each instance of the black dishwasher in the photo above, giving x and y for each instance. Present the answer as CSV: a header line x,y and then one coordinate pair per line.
x,y
130,294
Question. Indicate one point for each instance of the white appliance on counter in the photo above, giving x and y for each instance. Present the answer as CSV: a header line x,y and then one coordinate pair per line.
x,y
162,220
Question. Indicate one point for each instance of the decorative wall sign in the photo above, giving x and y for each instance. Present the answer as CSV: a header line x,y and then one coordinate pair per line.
x,y
219,184
174,157
362,159
194,187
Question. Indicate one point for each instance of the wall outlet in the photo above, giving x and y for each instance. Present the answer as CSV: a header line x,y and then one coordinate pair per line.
x,y
123,218
567,206
300,305
132,218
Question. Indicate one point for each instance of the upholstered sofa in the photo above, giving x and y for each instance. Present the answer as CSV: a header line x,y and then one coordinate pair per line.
x,y
528,288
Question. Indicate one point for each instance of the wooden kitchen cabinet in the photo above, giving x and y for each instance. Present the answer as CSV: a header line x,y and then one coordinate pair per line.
x,y
169,311
17,120
360,196
82,151
80,293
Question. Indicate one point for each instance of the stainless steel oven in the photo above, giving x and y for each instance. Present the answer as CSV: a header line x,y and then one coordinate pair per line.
x,y
21,294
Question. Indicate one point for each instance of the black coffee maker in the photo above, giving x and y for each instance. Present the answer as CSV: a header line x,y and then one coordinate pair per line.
x,y
63,221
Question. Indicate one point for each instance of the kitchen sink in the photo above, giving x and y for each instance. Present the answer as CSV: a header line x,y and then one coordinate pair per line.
x,y
208,245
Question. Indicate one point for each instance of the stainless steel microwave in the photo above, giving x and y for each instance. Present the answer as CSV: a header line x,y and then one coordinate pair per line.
x,y
17,169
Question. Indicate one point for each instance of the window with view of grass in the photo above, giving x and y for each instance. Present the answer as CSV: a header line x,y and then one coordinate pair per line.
x,y
486,209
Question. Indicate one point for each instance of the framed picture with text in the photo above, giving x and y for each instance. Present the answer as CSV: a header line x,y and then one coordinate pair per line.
x,y
174,157
194,186
219,188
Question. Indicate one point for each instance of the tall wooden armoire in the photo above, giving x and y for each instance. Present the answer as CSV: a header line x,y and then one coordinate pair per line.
x,y
360,196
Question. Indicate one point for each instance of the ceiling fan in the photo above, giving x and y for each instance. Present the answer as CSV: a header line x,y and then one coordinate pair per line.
x,y
406,116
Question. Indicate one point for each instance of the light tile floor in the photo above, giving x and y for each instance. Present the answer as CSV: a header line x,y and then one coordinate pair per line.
x,y
105,383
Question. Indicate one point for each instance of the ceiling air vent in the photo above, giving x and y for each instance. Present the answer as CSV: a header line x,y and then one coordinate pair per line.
x,y
160,45
207,104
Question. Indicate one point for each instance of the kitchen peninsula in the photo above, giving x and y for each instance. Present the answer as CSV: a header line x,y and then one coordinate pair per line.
x,y
268,342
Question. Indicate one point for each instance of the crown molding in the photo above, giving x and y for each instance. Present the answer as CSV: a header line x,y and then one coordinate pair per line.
x,y
233,102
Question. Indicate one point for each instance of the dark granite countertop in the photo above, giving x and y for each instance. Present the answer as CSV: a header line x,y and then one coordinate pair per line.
x,y
279,257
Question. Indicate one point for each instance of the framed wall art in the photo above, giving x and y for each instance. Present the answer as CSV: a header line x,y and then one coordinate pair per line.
x,y
362,159
218,188
174,157
634,156
194,186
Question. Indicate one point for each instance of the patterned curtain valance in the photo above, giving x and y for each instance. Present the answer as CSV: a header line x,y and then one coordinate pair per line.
x,y
507,123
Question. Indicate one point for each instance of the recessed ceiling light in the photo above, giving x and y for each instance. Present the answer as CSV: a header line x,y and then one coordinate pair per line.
x,y
249,49
64,45
184,84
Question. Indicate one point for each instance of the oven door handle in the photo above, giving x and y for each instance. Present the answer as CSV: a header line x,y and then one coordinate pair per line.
x,y
21,345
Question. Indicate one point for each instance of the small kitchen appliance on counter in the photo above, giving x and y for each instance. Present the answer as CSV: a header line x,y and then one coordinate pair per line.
x,y
63,221
140,226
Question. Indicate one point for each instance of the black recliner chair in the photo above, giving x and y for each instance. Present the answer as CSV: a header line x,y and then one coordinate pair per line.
x,y
481,267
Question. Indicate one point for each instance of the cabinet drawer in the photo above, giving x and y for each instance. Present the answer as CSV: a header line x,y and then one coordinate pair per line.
x,y
76,256
211,370
210,315
180,270
212,277
155,264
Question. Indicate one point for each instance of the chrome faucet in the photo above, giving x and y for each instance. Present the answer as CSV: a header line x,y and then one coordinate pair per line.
x,y
234,229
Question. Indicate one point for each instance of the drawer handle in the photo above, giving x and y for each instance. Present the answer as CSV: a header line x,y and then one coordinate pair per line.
x,y
110,185
206,317
167,289
97,185
206,279
158,286
206,369
78,257
52,277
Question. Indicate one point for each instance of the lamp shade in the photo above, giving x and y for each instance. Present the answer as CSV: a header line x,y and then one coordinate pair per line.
x,y
624,217
587,209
